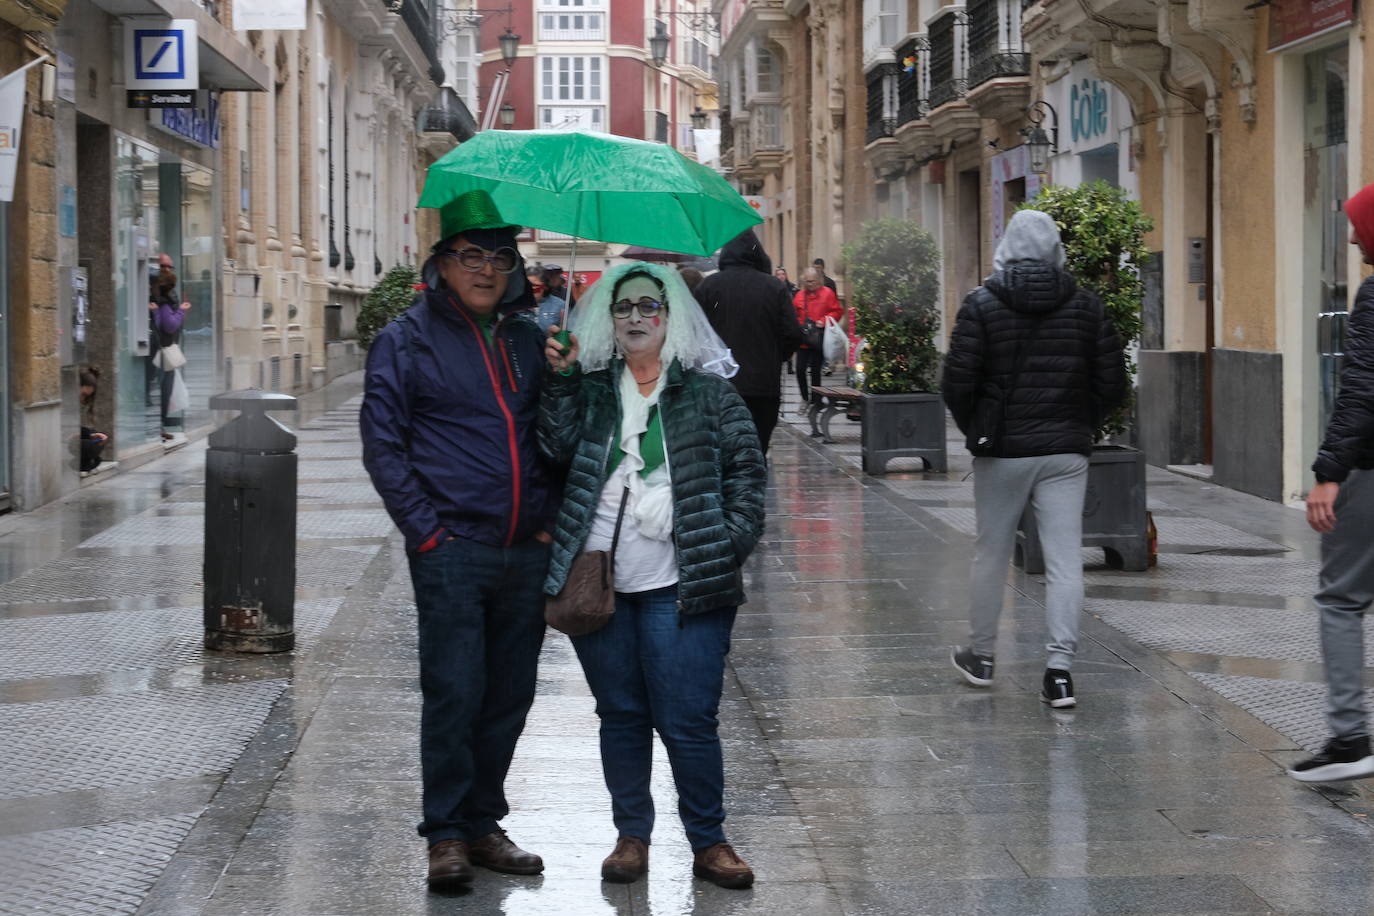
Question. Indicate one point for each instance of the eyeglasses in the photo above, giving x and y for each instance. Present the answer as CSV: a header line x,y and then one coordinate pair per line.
x,y
502,260
648,308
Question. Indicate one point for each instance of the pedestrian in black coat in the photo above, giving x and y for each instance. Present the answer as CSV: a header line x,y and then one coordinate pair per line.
x,y
752,312
1341,507
1034,348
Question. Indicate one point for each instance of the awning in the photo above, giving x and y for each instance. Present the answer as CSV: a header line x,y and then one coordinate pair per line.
x,y
226,63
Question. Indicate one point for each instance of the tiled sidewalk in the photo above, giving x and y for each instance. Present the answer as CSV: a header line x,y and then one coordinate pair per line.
x,y
864,777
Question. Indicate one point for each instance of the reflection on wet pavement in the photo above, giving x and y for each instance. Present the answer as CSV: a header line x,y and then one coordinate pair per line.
x,y
144,775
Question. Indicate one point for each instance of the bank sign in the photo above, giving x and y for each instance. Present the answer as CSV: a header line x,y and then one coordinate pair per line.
x,y
161,54
198,124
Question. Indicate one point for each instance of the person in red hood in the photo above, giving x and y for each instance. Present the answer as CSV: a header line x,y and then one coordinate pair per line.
x,y
1341,507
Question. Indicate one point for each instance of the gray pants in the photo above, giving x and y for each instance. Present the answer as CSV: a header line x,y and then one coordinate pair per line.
x,y
1053,485
1345,589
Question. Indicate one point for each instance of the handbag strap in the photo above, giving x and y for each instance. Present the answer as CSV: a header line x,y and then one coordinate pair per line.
x,y
615,538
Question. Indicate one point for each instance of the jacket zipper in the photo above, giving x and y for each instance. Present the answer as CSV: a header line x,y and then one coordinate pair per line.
x,y
510,421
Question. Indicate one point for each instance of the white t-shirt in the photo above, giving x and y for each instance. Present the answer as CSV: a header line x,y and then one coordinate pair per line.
x,y
641,564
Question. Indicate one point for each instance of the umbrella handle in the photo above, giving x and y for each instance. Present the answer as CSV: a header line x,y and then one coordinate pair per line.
x,y
564,338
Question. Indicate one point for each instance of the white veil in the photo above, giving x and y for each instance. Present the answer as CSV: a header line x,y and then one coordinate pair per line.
x,y
690,338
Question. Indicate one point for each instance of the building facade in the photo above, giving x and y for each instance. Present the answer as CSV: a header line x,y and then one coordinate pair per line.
x,y
590,65
279,198
1239,127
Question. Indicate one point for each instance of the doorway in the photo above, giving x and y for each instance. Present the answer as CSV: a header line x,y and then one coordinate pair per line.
x,y
1324,269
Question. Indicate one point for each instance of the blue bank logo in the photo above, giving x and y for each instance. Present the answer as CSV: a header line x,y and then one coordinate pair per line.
x,y
159,54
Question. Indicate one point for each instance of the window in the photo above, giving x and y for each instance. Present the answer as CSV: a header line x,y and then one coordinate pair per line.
x,y
462,71
570,79
572,26
766,72
572,117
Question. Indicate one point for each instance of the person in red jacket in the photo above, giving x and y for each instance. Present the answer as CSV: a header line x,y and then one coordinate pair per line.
x,y
814,303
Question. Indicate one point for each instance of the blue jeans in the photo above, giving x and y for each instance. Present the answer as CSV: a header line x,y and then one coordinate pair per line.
x,y
481,619
650,669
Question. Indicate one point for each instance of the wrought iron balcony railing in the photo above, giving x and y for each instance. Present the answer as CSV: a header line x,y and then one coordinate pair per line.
x,y
911,86
994,40
994,65
882,102
948,51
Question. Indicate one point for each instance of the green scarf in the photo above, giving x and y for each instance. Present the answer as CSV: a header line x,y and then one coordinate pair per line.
x,y
650,447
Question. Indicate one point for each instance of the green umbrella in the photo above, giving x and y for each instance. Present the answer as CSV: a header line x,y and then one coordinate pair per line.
x,y
594,186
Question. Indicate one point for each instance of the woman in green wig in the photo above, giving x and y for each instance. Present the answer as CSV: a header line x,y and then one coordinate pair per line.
x,y
637,406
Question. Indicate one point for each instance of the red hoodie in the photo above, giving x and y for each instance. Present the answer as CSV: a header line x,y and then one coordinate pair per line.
x,y
1359,208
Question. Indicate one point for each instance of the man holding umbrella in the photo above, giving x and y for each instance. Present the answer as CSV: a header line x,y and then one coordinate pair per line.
x,y
448,428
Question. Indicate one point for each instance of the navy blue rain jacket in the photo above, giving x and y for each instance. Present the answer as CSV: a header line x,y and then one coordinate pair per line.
x,y
449,424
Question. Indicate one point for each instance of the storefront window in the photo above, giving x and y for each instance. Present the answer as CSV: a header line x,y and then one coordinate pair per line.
x,y
163,206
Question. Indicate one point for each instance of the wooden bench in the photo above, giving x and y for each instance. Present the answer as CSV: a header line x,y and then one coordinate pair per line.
x,y
827,401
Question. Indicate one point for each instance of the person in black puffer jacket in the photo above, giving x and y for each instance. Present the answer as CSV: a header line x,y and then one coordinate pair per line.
x,y
752,312
1341,507
1034,341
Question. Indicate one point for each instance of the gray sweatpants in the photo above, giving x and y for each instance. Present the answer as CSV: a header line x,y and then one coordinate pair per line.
x,y
1345,589
1054,486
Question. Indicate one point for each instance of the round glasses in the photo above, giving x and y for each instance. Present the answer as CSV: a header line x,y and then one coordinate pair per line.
x,y
647,307
502,260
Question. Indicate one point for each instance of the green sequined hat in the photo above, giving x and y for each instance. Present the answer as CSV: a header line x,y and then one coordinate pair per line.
x,y
473,210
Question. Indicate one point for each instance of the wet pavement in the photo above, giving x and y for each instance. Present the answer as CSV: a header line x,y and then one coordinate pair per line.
x,y
143,775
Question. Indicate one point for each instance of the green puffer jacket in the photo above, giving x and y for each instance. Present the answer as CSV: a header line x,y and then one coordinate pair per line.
x,y
714,461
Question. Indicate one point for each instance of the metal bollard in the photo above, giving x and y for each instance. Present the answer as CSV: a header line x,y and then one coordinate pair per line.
x,y
250,526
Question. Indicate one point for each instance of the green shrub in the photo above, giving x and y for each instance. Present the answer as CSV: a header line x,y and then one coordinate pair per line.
x,y
1104,245
893,271
389,298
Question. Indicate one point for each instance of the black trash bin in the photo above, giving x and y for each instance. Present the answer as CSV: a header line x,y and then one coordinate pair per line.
x,y
250,526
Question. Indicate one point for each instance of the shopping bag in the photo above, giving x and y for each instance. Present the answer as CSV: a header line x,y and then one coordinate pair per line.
x,y
180,398
836,347
169,357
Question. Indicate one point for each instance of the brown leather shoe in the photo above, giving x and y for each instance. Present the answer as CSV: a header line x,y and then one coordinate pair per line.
x,y
497,852
722,867
449,867
629,862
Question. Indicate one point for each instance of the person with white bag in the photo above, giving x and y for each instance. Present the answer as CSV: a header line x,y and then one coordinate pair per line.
x,y
168,317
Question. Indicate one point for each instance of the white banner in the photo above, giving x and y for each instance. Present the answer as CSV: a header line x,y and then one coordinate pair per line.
x,y
12,87
279,15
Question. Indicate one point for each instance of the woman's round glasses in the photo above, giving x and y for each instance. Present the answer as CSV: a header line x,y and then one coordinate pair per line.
x,y
502,260
648,308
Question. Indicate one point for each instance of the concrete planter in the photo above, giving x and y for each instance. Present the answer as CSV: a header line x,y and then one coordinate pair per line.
x,y
903,426
1113,513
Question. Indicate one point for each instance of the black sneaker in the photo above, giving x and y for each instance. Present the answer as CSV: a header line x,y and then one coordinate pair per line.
x,y
1057,689
976,669
1342,758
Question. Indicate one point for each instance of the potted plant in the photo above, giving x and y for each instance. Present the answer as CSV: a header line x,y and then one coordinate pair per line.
x,y
389,298
1104,245
893,271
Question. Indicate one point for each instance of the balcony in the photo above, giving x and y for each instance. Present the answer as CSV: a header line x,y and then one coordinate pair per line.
x,y
999,67
759,141
913,132
950,115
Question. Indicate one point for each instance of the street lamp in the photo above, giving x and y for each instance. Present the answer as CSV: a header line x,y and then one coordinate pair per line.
x,y
1039,144
510,46
658,45
698,119
507,115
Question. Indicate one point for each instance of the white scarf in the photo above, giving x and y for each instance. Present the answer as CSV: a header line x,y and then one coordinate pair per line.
x,y
651,498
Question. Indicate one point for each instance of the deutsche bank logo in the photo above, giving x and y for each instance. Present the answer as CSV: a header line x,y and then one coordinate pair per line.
x,y
159,54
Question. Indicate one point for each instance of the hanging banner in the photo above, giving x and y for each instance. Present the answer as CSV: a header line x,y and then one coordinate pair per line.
x,y
1291,21
278,15
12,87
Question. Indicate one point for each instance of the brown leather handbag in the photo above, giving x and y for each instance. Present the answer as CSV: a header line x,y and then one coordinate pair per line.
x,y
587,600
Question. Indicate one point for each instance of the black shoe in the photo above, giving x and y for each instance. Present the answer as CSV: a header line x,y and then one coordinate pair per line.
x,y
976,669
1342,758
1058,689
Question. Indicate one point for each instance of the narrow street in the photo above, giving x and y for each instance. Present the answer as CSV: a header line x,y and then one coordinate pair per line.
x,y
142,775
